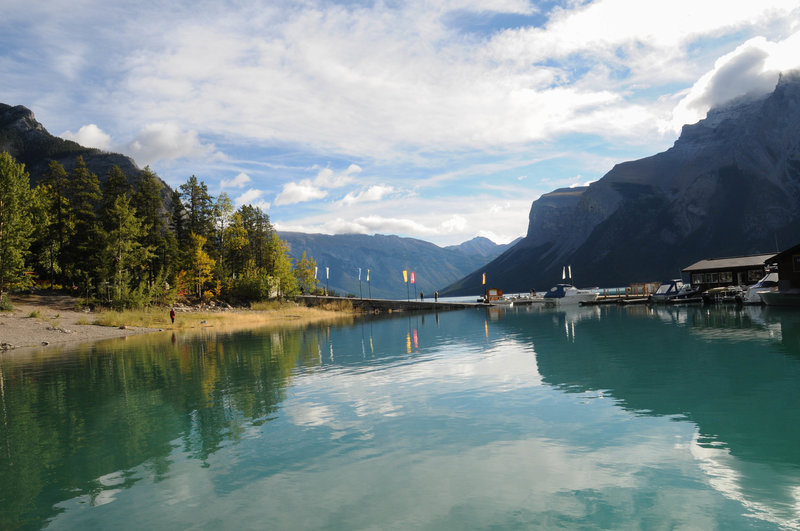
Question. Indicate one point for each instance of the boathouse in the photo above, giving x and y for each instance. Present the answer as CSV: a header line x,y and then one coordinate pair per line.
x,y
732,271
788,263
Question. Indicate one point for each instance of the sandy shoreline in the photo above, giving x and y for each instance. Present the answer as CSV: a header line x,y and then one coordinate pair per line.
x,y
42,321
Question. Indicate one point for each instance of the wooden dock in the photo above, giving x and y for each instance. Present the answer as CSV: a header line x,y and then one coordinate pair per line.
x,y
389,305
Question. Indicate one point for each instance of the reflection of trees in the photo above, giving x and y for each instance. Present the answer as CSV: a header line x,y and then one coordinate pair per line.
x,y
67,421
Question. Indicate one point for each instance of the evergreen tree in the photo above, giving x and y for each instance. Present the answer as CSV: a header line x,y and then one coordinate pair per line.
x,y
236,243
87,243
115,185
147,202
199,207
15,220
123,252
61,225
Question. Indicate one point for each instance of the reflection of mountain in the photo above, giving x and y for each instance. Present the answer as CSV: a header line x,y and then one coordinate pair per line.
x,y
719,369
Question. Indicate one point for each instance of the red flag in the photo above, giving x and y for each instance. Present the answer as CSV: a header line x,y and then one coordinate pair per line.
x,y
412,277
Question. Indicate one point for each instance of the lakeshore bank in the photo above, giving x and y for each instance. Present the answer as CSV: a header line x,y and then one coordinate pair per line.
x,y
40,321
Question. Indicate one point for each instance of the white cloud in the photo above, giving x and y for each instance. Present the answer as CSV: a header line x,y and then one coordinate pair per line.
x,y
373,193
237,182
166,141
251,197
751,69
89,136
299,193
327,178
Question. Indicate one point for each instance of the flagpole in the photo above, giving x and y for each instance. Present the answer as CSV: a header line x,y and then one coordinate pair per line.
x,y
369,287
360,293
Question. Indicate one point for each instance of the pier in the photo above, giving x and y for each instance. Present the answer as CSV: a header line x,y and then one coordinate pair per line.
x,y
389,305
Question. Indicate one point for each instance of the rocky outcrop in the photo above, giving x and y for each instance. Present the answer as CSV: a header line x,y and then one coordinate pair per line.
x,y
28,142
730,185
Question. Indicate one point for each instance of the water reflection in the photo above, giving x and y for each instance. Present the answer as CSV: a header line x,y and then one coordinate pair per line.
x,y
515,417
732,372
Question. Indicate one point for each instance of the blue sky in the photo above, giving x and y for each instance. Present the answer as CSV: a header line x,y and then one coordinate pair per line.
x,y
435,120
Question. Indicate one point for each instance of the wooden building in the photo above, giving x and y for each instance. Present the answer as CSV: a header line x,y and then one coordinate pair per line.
x,y
733,271
788,263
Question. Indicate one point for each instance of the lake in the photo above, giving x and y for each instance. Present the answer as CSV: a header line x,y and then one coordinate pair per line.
x,y
593,418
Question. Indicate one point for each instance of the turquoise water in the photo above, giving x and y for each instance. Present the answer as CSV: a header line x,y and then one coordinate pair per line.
x,y
594,418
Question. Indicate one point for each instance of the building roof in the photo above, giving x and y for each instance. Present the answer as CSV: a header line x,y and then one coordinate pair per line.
x,y
734,262
788,252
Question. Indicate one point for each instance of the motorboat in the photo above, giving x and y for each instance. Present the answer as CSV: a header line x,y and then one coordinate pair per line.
x,y
568,295
768,283
781,298
673,291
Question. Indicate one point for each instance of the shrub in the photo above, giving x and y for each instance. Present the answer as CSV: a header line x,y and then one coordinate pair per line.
x,y
5,303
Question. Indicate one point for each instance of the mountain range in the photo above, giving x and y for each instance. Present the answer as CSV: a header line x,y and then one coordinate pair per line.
x,y
729,186
386,257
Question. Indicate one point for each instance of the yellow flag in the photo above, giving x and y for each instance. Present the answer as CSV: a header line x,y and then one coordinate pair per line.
x,y
484,279
405,275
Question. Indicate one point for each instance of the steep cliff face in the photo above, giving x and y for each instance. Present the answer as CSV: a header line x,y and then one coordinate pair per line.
x,y
730,185
28,142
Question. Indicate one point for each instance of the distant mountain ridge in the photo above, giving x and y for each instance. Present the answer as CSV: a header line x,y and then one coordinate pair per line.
x,y
730,185
386,257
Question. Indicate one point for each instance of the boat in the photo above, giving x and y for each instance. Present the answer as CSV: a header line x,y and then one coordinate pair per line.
x,y
781,298
768,283
724,294
567,294
672,291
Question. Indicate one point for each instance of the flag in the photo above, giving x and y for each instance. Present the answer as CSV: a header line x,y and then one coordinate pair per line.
x,y
367,275
412,277
315,273
484,279
327,273
405,275
569,270
563,273
359,274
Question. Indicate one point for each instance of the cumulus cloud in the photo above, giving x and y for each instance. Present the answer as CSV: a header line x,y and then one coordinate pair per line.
x,y
237,182
166,141
752,69
299,192
89,136
373,193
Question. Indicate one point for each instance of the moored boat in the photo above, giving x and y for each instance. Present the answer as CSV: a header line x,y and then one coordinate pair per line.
x,y
567,294
672,291
781,298
753,293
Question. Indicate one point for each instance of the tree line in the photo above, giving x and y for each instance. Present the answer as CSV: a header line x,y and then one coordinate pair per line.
x,y
116,243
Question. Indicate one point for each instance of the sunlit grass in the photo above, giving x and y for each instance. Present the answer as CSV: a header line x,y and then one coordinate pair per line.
x,y
266,313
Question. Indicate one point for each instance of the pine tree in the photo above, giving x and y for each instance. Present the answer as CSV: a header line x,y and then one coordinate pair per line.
x,y
147,202
83,260
62,225
199,206
115,185
15,220
123,252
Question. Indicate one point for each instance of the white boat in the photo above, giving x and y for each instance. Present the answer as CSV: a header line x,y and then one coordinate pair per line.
x,y
781,298
568,295
768,283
